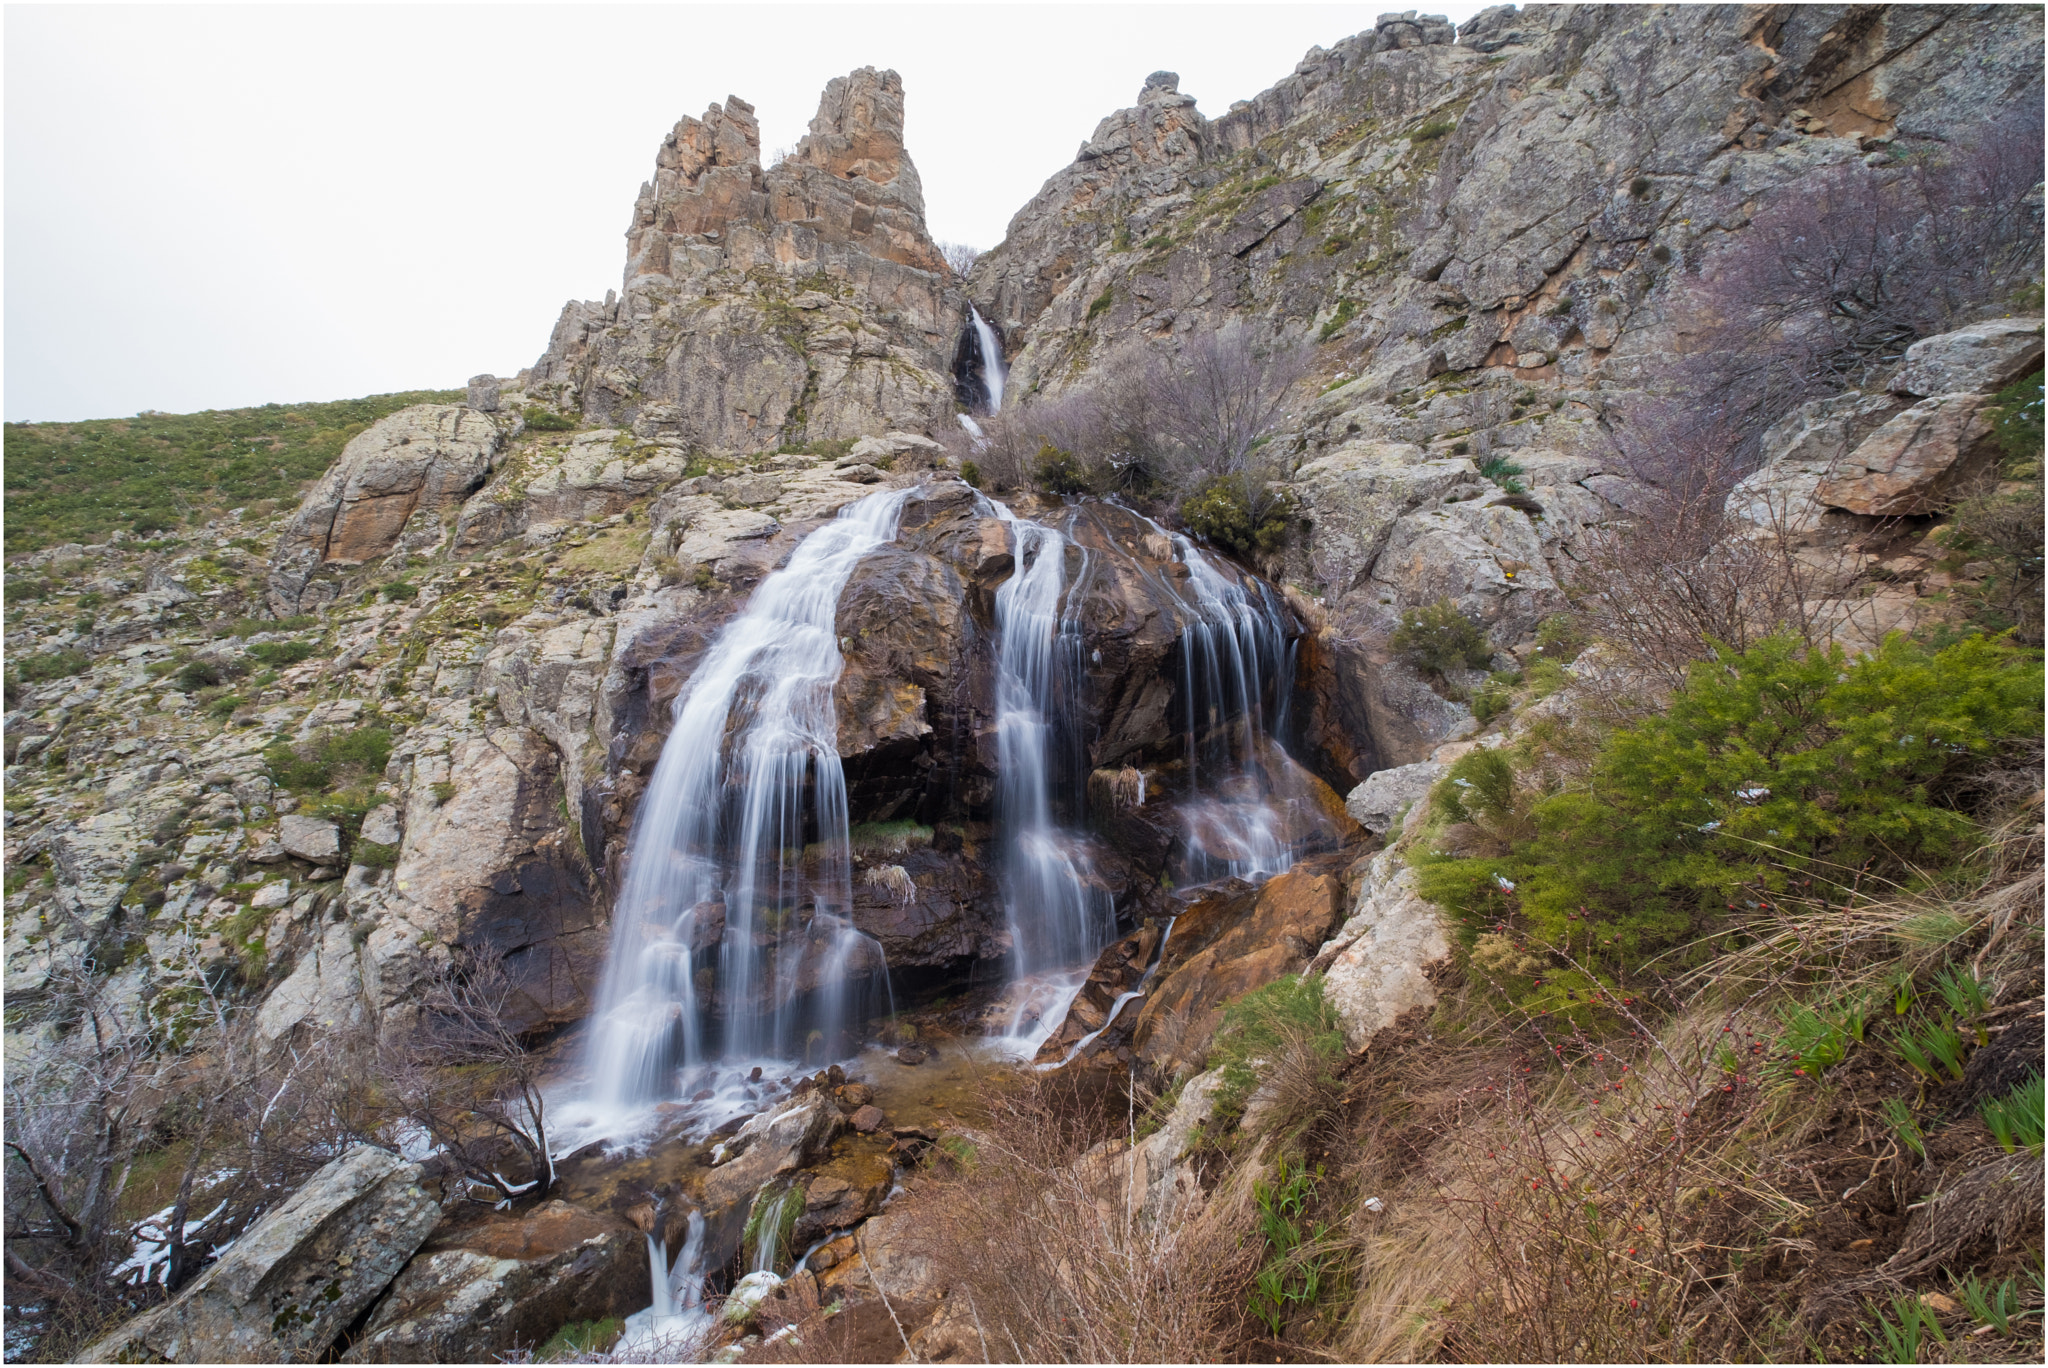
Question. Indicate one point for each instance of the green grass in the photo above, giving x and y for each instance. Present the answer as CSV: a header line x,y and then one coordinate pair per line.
x,y
80,481
578,1338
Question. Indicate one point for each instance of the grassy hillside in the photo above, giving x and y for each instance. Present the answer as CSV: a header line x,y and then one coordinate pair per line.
x,y
80,481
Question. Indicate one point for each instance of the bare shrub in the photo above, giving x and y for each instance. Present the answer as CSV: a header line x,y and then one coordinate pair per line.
x,y
178,1085
1054,1255
466,1077
1841,271
959,256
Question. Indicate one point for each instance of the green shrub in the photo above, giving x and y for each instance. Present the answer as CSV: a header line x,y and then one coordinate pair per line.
x,y
195,675
580,1339
1346,310
971,473
278,654
1768,764
1502,472
1059,472
42,667
1219,512
1431,131
400,591
374,855
1495,696
1298,1257
222,708
1438,639
298,773
1562,637
1100,304
367,748
2017,425
547,420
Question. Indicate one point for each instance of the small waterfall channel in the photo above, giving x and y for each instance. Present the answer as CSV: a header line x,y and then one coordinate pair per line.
x,y
676,1323
1229,657
992,372
1059,915
738,878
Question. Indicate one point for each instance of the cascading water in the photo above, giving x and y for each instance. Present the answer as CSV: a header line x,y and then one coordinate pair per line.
x,y
739,876
1229,654
676,1323
991,360
1058,913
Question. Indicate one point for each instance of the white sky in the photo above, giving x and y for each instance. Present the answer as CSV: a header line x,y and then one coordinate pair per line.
x,y
212,206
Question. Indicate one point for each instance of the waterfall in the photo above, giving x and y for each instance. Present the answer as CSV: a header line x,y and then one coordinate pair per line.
x,y
991,360
1236,647
1058,913
738,876
675,1323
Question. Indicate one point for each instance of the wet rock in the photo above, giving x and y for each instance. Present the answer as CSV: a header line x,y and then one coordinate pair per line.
x,y
869,1119
1237,939
296,1278
477,1293
776,1142
309,838
1117,970
910,1054
1980,359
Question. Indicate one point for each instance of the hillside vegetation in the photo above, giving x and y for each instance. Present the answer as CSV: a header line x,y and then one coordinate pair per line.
x,y
80,481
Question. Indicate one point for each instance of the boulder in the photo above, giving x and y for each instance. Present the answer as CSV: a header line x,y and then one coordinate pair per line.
x,y
1377,964
1224,946
1980,359
286,1289
476,1294
1799,452
1916,461
769,1145
1351,498
310,838
1377,802
390,487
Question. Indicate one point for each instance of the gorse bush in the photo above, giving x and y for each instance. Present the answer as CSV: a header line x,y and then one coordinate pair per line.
x,y
1219,512
1059,472
1438,639
315,765
547,420
1769,765
278,654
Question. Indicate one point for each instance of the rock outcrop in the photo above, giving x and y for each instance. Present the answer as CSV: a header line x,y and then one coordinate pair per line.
x,y
487,1290
770,305
389,492
295,1280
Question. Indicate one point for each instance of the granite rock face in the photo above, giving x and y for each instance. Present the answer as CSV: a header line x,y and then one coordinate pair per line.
x,y
389,492
770,304
296,1279
1483,241
482,1291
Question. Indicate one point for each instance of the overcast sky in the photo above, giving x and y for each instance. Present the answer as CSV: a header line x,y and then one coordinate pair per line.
x,y
211,206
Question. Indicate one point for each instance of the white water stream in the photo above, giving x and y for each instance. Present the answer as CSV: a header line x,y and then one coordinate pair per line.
x,y
992,373
738,876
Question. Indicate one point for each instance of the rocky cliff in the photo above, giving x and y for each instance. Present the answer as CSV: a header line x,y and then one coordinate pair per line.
x,y
297,764
772,306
